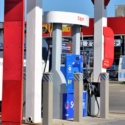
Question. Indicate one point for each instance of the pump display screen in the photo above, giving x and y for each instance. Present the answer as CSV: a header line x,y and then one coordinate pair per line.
x,y
77,58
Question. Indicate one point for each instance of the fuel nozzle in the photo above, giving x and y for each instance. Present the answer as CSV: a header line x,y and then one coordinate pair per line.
x,y
94,90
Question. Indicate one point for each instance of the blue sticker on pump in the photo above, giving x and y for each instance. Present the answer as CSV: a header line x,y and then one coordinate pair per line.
x,y
70,81
68,105
70,69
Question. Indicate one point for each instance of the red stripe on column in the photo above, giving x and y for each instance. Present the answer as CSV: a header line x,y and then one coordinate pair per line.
x,y
13,61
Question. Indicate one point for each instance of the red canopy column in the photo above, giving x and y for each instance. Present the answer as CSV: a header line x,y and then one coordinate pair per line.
x,y
13,61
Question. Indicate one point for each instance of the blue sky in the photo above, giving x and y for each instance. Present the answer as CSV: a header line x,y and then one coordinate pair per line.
x,y
78,6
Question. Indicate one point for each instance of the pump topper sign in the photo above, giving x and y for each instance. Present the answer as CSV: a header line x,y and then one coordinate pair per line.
x,y
106,2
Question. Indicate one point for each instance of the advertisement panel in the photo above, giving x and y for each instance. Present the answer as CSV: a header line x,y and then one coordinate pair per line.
x,y
68,105
66,48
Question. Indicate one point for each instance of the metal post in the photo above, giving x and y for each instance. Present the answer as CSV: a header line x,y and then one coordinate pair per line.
x,y
58,78
76,39
33,61
100,21
47,98
78,97
104,95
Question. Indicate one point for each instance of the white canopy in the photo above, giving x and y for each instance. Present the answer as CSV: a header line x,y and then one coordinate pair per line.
x,y
66,18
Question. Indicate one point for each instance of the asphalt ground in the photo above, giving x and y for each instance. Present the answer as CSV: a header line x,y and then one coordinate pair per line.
x,y
116,103
117,98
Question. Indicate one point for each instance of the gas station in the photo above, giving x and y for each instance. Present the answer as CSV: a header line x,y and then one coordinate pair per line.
x,y
67,94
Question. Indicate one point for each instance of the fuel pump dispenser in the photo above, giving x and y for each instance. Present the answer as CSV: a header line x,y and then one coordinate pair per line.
x,y
61,83
73,64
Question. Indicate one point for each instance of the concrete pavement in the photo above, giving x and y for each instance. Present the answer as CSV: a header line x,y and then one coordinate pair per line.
x,y
116,107
117,110
114,119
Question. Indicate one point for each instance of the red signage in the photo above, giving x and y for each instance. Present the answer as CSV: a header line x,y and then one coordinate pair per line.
x,y
108,47
80,18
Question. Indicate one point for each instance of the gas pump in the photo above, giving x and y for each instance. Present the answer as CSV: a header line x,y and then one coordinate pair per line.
x,y
73,64
61,83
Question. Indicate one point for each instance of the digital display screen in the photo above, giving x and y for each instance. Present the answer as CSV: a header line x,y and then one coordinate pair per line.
x,y
77,58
